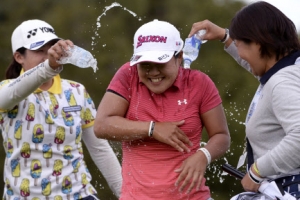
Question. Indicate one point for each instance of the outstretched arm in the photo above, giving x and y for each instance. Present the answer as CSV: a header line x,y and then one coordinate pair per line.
x,y
214,32
14,91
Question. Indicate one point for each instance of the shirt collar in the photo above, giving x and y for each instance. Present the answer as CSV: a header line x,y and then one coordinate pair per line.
x,y
55,88
178,81
283,62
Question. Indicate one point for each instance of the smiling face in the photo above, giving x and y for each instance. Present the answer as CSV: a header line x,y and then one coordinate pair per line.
x,y
251,53
158,77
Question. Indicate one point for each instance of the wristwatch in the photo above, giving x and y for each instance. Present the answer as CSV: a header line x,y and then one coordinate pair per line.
x,y
226,36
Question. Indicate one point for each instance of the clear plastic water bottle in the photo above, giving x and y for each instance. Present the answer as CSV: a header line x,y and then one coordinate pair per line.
x,y
192,47
79,57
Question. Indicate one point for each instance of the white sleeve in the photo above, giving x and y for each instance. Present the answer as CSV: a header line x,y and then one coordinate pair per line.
x,y
18,89
104,158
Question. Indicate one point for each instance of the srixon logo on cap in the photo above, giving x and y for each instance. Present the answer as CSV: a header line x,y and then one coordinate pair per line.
x,y
151,38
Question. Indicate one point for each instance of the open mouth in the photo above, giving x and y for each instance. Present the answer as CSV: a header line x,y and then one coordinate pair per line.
x,y
155,80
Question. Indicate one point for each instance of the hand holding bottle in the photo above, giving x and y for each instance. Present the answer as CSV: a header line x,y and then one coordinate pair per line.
x,y
56,51
192,47
79,57
213,31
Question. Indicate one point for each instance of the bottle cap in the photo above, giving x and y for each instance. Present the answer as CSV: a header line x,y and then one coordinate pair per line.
x,y
199,35
187,63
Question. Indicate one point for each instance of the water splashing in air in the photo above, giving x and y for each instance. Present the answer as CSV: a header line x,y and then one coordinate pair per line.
x,y
107,8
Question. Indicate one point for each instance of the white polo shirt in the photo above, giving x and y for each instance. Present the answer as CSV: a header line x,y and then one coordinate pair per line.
x,y
42,140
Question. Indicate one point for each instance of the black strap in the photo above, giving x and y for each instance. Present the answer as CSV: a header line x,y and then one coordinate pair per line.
x,y
280,187
250,157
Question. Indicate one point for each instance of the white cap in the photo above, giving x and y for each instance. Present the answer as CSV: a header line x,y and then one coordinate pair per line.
x,y
32,34
156,41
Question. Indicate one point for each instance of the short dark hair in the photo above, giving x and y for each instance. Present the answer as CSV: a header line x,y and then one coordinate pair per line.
x,y
266,25
14,69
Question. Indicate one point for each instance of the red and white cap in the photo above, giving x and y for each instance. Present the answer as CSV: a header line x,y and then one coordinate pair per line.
x,y
156,41
32,34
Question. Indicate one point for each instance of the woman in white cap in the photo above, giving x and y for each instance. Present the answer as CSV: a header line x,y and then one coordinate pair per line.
x,y
265,42
43,119
159,109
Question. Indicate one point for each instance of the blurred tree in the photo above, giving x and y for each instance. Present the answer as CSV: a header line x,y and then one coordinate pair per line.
x,y
106,28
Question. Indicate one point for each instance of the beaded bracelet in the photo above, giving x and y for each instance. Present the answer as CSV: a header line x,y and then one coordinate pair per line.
x,y
151,128
207,154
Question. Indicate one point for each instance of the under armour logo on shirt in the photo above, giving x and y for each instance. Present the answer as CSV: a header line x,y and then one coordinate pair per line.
x,y
180,102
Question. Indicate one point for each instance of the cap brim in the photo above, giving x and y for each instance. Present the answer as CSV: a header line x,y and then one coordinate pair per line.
x,y
39,44
151,56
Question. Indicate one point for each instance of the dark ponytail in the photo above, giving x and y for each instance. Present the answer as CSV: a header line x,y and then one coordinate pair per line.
x,y
14,69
